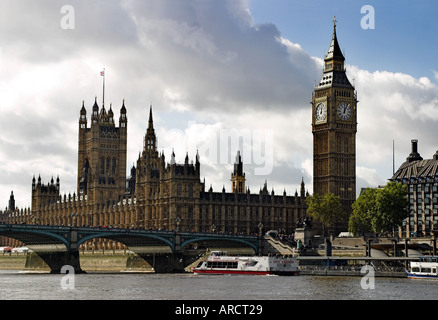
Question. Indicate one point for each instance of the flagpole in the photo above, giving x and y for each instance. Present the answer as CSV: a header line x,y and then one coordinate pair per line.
x,y
103,93
393,157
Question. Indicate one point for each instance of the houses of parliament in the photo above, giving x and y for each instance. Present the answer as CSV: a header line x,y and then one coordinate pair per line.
x,y
159,194
163,194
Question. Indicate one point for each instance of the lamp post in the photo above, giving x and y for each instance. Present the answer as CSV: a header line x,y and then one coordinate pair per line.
x,y
74,216
178,221
434,233
260,228
260,225
395,241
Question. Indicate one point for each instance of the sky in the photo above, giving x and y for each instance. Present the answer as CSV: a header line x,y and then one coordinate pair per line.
x,y
220,75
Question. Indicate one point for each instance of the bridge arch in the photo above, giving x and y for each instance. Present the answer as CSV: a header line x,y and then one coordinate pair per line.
x,y
130,239
127,239
36,235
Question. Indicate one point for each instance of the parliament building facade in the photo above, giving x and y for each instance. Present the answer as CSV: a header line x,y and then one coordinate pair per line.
x,y
158,194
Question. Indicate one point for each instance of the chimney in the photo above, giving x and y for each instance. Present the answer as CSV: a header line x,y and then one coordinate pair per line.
x,y
414,146
414,156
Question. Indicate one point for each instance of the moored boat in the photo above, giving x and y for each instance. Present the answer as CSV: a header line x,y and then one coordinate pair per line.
x,y
425,267
218,262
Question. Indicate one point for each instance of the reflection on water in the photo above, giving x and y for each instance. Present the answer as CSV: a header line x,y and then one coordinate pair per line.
x,y
122,286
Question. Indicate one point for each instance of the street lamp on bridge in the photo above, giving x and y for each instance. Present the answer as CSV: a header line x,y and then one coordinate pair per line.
x,y
260,228
74,216
178,221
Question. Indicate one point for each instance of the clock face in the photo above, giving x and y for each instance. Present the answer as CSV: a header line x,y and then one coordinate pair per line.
x,y
344,111
320,112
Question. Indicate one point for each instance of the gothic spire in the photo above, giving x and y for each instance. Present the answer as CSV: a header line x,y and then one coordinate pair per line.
x,y
83,111
150,138
95,114
334,51
151,121
123,108
238,165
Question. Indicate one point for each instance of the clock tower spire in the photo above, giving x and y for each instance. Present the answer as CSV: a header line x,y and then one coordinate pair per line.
x,y
334,127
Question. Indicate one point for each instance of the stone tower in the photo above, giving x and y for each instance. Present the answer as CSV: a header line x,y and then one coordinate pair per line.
x,y
102,155
238,176
167,194
334,126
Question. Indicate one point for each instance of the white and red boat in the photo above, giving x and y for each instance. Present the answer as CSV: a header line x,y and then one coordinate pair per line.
x,y
218,262
425,268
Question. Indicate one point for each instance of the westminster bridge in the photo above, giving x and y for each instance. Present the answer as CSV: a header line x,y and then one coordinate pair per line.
x,y
164,250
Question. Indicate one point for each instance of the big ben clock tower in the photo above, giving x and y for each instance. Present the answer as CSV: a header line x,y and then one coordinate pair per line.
x,y
334,126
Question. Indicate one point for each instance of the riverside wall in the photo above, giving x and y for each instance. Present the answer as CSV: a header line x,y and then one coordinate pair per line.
x,y
118,261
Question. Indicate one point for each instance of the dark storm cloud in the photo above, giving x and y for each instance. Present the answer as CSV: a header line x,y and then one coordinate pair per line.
x,y
212,57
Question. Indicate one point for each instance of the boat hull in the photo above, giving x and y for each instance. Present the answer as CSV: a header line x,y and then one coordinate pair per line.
x,y
411,275
219,272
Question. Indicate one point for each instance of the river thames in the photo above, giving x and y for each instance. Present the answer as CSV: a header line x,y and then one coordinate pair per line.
x,y
15,285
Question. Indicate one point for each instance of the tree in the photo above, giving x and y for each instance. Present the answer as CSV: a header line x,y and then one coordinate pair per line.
x,y
327,209
392,207
380,210
363,209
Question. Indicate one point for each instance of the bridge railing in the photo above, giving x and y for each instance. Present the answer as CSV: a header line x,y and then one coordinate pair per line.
x,y
126,230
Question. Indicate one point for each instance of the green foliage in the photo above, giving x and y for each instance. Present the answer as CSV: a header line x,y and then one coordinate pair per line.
x,y
363,209
327,209
380,210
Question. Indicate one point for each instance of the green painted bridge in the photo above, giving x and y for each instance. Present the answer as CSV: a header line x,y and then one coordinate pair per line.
x,y
59,245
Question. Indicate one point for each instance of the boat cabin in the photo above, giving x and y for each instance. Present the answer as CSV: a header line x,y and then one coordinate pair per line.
x,y
218,254
425,266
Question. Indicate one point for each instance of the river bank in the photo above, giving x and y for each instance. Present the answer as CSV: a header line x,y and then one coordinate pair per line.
x,y
112,261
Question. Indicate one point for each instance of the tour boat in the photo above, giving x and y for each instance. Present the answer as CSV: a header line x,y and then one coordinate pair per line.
x,y
425,267
218,262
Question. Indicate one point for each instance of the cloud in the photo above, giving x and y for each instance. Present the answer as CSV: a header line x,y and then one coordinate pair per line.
x,y
215,48
206,68
393,107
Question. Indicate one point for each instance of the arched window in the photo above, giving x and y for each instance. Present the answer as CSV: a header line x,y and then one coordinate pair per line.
x,y
113,166
108,164
102,165
190,190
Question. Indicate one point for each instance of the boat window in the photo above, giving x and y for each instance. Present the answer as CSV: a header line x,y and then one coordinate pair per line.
x,y
425,270
433,270
415,269
221,264
218,253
